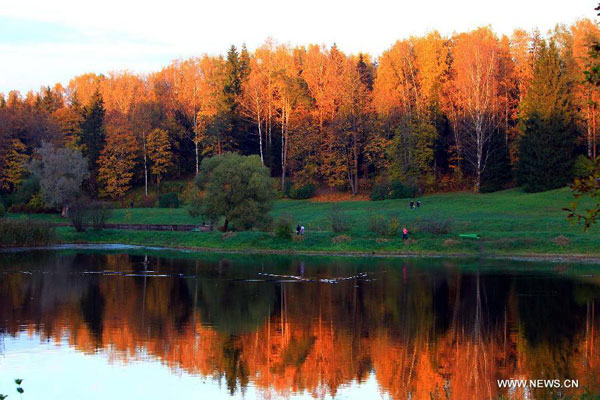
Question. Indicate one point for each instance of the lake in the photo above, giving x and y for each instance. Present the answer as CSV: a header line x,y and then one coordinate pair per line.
x,y
133,323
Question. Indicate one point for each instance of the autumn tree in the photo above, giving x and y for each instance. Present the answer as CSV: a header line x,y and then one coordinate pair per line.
x,y
117,162
160,153
476,57
13,157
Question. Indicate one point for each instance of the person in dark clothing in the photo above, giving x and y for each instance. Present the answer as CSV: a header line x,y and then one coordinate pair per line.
x,y
412,205
298,230
418,204
131,205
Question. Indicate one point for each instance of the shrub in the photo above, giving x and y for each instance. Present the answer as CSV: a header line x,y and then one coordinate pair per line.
x,y
341,239
194,207
380,191
29,187
384,225
147,201
393,226
284,226
36,204
17,208
78,214
98,213
338,219
25,232
302,192
377,224
561,240
169,200
582,167
400,191
436,225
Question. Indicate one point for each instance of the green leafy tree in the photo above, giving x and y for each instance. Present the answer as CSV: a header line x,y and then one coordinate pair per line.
x,y
547,147
586,185
237,188
412,153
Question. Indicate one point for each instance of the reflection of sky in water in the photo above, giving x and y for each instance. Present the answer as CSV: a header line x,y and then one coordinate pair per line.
x,y
51,371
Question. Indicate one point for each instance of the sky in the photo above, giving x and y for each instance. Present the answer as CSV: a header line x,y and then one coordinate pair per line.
x,y
44,42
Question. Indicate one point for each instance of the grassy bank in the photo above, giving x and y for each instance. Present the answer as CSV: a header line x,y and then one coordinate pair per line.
x,y
509,222
25,232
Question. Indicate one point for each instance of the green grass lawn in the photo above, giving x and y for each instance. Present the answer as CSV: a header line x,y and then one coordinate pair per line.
x,y
509,222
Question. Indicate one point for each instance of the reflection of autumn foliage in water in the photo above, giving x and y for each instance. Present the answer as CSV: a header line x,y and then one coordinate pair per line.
x,y
440,334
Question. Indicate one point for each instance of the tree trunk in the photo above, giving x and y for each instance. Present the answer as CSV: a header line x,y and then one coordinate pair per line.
x,y
226,224
145,165
259,123
197,157
284,140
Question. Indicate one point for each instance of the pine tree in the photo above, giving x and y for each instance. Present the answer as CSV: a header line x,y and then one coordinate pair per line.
x,y
93,137
498,172
547,147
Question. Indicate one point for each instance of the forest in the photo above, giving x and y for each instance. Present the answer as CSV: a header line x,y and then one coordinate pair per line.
x,y
474,111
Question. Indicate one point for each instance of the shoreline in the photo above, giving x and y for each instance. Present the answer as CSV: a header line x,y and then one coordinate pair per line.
x,y
550,257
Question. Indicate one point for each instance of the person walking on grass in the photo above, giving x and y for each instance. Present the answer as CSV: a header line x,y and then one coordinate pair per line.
x,y
302,230
297,229
404,233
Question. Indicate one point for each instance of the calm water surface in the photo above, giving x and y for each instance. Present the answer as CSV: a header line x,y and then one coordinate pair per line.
x,y
83,324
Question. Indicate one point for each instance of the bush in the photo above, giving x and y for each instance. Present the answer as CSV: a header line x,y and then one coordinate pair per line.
x,y
377,224
392,190
436,225
393,226
85,212
147,201
194,207
338,219
284,226
400,191
98,213
380,192
169,200
384,225
583,167
26,190
302,192
341,239
25,232
17,208
78,214
189,194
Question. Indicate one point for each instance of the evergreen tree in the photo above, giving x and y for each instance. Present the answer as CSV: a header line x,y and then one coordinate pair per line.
x,y
237,69
498,172
547,147
93,137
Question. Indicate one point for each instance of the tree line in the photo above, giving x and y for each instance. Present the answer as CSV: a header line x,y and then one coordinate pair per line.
x,y
472,111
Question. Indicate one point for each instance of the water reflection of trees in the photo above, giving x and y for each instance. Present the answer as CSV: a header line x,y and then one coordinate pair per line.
x,y
425,333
